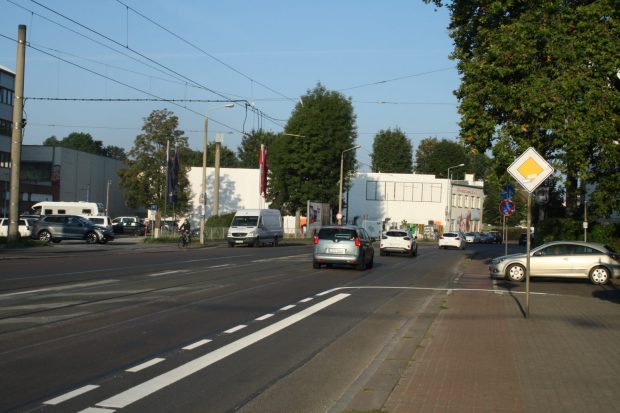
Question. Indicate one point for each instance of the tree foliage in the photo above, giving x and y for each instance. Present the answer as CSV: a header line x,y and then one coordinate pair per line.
x,y
543,74
228,159
144,178
250,147
305,160
84,142
392,152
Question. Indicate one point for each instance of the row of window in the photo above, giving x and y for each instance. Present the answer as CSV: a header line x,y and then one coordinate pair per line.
x,y
466,201
5,159
6,96
403,191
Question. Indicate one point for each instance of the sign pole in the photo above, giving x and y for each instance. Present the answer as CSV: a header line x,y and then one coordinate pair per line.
x,y
527,267
505,230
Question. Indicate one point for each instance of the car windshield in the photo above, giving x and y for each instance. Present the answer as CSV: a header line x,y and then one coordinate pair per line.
x,y
337,233
248,221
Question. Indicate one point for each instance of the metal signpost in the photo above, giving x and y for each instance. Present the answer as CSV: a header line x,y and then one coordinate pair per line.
x,y
507,208
530,170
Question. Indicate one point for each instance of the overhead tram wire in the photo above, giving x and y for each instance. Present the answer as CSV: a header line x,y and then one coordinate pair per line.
x,y
380,82
134,88
251,107
205,52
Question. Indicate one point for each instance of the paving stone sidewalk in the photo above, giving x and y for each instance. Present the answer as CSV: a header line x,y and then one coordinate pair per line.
x,y
482,355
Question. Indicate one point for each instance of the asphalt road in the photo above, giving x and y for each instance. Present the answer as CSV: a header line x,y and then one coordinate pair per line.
x,y
158,329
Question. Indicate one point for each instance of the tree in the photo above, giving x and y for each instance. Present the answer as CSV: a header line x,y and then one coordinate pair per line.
x,y
543,74
434,157
51,141
84,142
115,152
144,178
392,152
250,146
305,160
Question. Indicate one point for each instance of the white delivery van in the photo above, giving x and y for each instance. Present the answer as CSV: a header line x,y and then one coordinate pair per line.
x,y
68,208
255,227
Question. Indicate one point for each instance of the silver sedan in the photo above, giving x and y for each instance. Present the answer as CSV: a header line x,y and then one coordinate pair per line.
x,y
571,259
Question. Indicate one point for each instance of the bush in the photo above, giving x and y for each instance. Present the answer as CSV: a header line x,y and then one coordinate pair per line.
x,y
220,221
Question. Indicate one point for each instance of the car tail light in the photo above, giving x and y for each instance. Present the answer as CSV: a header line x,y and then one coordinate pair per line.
x,y
458,238
316,239
358,242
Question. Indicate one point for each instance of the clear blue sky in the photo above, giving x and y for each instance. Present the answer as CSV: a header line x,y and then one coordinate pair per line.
x,y
270,53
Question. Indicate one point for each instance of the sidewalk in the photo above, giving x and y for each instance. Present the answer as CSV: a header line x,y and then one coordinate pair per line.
x,y
482,355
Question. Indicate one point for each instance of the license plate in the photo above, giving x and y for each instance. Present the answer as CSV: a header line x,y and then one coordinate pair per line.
x,y
239,241
336,251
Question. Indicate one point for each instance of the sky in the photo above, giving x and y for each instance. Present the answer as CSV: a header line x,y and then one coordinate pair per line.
x,y
391,58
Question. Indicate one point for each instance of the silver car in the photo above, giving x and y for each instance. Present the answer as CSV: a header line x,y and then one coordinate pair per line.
x,y
343,244
572,259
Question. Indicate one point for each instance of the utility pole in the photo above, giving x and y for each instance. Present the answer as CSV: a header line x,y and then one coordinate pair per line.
x,y
107,198
219,137
16,135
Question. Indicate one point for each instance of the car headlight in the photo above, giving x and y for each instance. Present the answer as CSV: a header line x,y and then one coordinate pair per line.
x,y
251,234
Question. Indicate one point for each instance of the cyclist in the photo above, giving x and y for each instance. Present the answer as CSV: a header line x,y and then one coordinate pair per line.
x,y
185,230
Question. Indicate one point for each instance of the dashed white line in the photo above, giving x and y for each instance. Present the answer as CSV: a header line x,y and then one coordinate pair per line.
x,y
197,344
145,365
305,300
166,379
64,287
288,307
71,394
96,410
159,274
235,329
264,317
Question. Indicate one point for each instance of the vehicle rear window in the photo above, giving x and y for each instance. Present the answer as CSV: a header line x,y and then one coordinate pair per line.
x,y
450,234
396,234
96,220
337,233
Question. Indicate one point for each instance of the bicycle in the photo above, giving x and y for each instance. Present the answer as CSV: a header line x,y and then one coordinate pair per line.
x,y
185,240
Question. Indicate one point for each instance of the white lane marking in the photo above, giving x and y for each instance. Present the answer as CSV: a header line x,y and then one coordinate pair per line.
x,y
448,290
235,329
286,257
305,300
197,344
41,319
264,317
288,307
64,287
70,395
96,410
145,365
220,266
159,274
157,383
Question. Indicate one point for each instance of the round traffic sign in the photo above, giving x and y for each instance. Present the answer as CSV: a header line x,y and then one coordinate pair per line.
x,y
507,207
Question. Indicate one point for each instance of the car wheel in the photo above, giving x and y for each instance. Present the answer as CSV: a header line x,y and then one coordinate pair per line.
x,y
381,252
92,238
316,265
515,272
599,275
371,263
362,264
415,252
45,236
231,244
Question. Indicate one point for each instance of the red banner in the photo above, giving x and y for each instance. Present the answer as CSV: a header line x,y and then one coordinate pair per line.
x,y
262,163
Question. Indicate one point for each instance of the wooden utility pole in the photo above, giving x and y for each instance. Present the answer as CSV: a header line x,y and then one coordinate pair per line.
x,y
16,135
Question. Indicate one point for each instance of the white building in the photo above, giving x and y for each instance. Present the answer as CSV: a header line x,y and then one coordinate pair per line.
x,y
376,200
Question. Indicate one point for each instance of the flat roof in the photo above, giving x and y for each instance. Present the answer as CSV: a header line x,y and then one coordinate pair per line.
x,y
6,69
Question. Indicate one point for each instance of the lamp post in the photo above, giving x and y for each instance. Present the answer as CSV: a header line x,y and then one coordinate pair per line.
x,y
341,179
204,172
449,198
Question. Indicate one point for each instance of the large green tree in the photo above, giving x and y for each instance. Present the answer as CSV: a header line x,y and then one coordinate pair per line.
x,y
305,160
249,150
228,159
392,152
144,178
435,156
543,74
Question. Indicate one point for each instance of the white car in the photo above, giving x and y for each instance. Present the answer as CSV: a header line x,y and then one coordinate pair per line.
x,y
472,237
398,241
24,228
452,239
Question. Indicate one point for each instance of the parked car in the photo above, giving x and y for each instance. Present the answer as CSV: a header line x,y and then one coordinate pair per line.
x,y
472,237
399,241
128,225
23,227
343,244
523,239
495,237
102,222
56,228
572,259
452,239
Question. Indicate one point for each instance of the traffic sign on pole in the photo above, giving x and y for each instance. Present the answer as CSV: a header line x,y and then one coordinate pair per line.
x,y
530,169
507,207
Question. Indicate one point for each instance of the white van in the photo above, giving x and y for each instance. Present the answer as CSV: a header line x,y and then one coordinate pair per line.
x,y
68,208
255,227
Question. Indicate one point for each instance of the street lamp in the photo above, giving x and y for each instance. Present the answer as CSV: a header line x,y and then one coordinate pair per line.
x,y
449,198
339,216
204,172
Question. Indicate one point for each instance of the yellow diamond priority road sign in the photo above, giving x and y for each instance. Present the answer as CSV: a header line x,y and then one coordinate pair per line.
x,y
530,169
